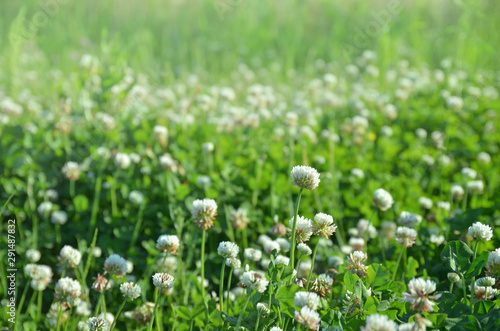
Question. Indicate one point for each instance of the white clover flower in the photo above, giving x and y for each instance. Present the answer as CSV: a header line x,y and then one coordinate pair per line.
x,y
445,205
263,308
228,249
427,159
33,255
444,159
97,324
355,263
69,257
83,309
481,231
284,244
207,147
484,157
71,170
115,265
406,236
303,230
304,249
59,217
108,317
204,181
122,160
357,173
239,219
484,292
168,243
52,195
82,326
457,192
308,299
453,277
262,239
485,281
233,263
252,254
421,133
357,244
103,152
68,291
436,239
425,203
271,245
45,208
407,219
493,264
160,132
163,280
305,177
204,212
419,290
363,225
388,229
475,186
304,268
41,276
378,322
280,259
308,317
255,280
336,261
130,291
136,197
382,199
469,173
170,264
323,225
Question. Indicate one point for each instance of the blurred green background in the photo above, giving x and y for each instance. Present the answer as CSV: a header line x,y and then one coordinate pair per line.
x,y
178,35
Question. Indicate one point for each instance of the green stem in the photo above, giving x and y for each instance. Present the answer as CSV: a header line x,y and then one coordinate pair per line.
x,y
464,284
203,240
398,262
39,309
242,311
464,199
23,297
91,254
473,281
69,319
229,288
137,227
58,234
118,315
367,230
221,286
95,204
114,208
294,227
158,290
72,189
312,264
257,323
451,287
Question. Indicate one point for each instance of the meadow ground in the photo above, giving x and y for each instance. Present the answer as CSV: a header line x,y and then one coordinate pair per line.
x,y
249,165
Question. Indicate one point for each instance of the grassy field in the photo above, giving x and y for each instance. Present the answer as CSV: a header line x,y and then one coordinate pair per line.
x,y
160,165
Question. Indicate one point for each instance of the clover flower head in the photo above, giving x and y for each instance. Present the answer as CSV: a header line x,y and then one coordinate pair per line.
x,y
305,177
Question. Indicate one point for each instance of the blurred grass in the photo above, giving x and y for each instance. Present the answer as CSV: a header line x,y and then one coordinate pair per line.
x,y
216,35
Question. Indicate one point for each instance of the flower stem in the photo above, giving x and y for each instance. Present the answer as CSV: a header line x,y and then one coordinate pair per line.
x,y
242,311
95,204
221,286
118,315
203,239
312,264
473,281
367,230
398,262
257,323
294,227
464,285
137,227
158,291
229,287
